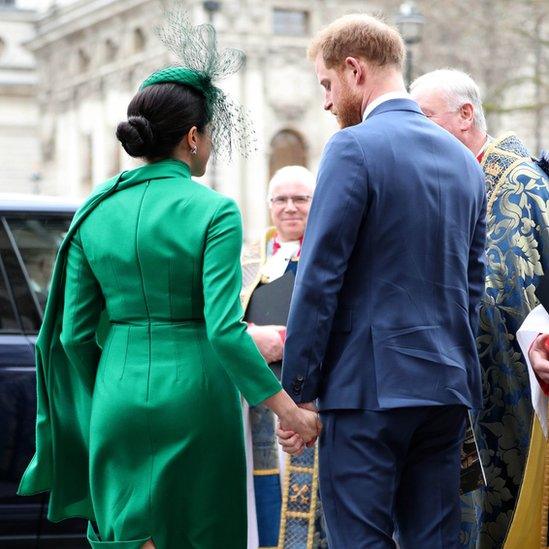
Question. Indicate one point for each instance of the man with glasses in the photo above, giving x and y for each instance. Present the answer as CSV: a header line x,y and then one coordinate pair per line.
x,y
516,239
271,493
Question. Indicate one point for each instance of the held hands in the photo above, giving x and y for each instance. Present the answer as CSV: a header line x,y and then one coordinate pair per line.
x,y
295,435
299,425
268,341
539,357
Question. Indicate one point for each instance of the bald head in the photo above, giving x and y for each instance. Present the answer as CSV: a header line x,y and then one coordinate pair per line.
x,y
289,193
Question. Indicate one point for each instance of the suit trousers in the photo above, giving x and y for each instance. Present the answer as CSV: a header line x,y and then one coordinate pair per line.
x,y
392,474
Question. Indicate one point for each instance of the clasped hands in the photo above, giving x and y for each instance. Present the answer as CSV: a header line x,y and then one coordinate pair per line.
x,y
294,435
301,426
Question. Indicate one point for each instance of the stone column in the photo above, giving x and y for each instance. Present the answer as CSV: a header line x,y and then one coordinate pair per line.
x,y
255,168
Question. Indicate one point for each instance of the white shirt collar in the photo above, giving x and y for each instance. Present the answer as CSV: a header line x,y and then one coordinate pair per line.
x,y
289,244
487,142
277,263
382,98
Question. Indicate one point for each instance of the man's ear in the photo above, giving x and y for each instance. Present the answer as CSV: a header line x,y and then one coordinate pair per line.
x,y
356,68
467,115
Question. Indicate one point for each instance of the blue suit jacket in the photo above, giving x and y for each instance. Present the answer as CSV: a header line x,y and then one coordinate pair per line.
x,y
385,308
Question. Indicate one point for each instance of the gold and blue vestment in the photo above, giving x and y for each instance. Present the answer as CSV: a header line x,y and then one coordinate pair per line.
x,y
517,248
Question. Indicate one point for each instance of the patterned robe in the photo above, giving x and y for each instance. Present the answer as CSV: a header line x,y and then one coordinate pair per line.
x,y
517,247
297,515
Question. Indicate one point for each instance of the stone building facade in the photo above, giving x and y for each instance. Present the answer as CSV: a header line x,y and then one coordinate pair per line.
x,y
80,62
91,56
19,116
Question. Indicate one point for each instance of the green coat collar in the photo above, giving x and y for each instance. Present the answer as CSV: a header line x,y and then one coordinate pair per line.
x,y
163,169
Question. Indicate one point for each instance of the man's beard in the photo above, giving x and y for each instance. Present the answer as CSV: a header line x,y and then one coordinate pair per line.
x,y
349,109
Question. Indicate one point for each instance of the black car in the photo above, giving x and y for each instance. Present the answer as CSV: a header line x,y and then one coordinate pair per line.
x,y
31,229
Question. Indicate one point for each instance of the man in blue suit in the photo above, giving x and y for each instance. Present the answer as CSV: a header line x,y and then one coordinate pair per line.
x,y
381,334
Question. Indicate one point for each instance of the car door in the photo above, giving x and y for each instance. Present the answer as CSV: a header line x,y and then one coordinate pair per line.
x,y
20,518
34,238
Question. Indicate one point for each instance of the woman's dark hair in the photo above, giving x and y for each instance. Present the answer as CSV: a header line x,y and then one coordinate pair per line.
x,y
159,116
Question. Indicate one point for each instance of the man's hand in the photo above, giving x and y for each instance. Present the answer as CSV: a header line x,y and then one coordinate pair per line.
x,y
290,441
268,341
539,357
312,407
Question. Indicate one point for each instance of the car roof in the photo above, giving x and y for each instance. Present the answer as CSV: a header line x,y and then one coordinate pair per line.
x,y
14,202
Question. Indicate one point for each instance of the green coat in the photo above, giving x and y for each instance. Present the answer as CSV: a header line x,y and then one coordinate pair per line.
x,y
145,435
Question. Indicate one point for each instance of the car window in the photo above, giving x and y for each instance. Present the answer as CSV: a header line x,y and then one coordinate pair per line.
x,y
8,320
38,240
27,306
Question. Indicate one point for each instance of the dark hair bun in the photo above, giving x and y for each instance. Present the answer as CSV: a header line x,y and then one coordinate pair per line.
x,y
159,116
136,136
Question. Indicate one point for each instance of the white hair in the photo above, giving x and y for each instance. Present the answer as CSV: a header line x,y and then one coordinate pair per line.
x,y
458,87
292,174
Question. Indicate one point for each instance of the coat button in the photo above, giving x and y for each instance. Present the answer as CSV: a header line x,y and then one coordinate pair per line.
x,y
300,378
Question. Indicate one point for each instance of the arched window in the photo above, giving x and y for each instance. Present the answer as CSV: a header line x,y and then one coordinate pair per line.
x,y
139,40
288,148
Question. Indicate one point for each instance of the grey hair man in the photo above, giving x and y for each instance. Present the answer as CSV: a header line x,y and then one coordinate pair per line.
x,y
452,99
517,217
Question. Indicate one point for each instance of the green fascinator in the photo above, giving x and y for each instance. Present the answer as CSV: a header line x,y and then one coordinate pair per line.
x,y
200,65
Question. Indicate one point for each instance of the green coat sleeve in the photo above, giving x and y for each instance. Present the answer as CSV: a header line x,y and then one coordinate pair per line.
x,y
222,281
82,310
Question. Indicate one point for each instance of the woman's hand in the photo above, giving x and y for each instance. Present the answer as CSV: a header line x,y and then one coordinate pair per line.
x,y
294,442
304,423
291,442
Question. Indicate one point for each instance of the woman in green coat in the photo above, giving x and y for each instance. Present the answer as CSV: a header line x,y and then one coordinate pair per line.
x,y
144,435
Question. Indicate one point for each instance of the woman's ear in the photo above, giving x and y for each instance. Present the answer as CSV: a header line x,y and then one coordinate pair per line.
x,y
192,139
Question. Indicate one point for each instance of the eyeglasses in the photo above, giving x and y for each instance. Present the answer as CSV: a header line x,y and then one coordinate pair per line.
x,y
297,199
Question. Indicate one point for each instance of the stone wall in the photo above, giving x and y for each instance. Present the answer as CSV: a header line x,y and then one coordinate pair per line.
x,y
19,117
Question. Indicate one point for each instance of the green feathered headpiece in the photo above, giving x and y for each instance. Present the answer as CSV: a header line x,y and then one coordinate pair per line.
x,y
182,75
200,65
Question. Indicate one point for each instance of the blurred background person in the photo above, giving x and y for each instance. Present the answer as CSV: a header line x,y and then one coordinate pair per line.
x,y
517,256
270,490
